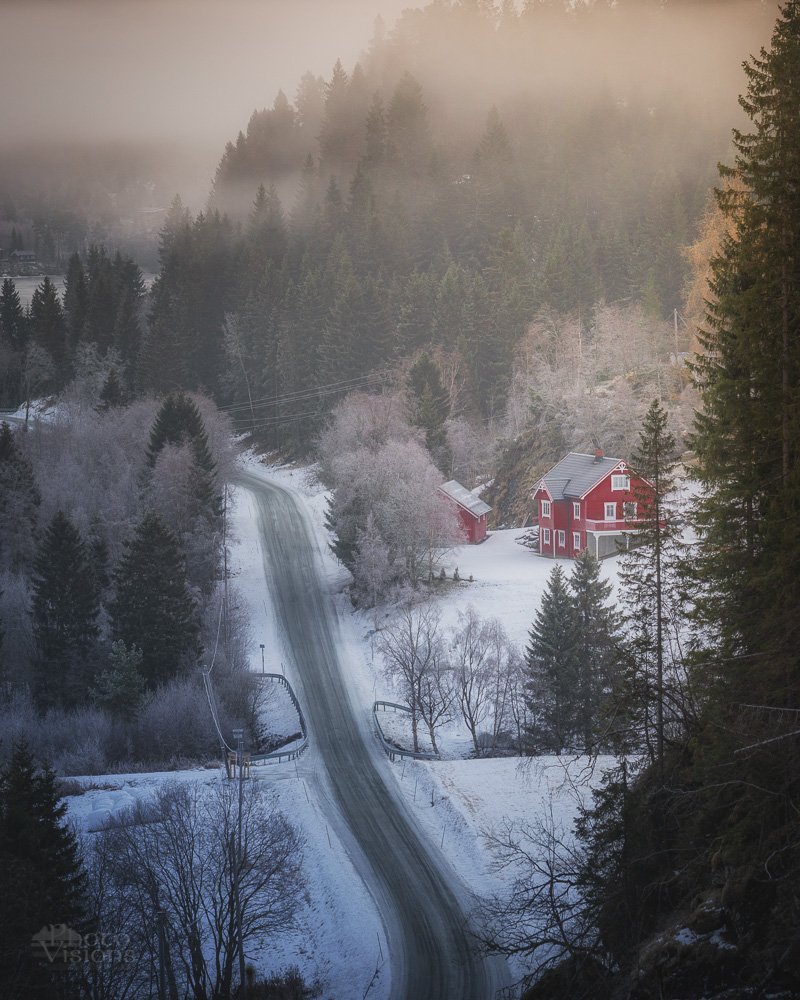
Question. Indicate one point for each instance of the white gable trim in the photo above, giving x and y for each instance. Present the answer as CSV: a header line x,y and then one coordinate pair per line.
x,y
619,467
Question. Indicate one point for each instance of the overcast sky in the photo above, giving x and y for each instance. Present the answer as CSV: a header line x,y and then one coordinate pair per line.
x,y
192,70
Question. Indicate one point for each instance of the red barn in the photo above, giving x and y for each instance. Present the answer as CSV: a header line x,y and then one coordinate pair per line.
x,y
471,510
586,501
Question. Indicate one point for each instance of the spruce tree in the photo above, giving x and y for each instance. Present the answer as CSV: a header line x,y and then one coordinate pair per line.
x,y
429,407
552,668
596,649
19,502
13,326
64,611
41,879
48,327
648,574
179,422
747,435
76,300
153,609
121,686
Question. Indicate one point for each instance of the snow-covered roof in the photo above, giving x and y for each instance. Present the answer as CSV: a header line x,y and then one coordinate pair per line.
x,y
465,498
576,474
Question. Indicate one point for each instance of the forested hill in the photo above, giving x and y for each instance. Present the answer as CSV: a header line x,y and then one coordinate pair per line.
x,y
477,165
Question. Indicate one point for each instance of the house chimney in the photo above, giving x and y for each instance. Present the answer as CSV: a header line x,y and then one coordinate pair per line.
x,y
598,454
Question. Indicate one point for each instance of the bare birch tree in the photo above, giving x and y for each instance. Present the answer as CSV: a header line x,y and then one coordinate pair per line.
x,y
409,647
177,854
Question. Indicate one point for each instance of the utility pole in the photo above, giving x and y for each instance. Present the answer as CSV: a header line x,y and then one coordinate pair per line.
x,y
261,644
238,735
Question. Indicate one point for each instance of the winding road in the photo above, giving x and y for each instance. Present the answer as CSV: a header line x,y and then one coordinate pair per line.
x,y
433,955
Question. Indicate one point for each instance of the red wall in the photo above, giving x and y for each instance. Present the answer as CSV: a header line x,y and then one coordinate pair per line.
x,y
474,527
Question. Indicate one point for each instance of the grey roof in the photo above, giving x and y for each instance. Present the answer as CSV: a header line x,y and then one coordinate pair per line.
x,y
465,498
576,474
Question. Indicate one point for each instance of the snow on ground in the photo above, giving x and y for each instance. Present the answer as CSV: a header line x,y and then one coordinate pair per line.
x,y
330,941
455,801
278,718
508,581
458,801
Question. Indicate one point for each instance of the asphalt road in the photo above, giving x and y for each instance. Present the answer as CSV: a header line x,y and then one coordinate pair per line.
x,y
433,955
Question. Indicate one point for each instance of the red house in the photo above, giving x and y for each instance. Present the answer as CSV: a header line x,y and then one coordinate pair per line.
x,y
586,501
471,510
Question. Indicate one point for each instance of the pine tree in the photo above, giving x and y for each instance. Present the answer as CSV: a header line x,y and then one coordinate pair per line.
x,y
41,879
12,316
76,300
552,667
113,393
101,307
19,502
64,611
429,407
153,609
128,298
647,572
596,650
121,686
747,435
178,422
48,327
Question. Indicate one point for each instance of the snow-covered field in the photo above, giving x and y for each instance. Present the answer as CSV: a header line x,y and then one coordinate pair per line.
x,y
340,936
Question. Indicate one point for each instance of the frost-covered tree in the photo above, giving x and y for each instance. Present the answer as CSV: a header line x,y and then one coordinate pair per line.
x,y
372,570
410,647
469,656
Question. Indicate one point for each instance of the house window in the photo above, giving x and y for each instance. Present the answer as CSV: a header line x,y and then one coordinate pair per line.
x,y
576,540
611,512
620,482
576,511
561,539
629,511
545,508
545,536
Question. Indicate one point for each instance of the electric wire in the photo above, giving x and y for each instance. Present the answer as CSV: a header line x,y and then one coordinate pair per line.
x,y
326,389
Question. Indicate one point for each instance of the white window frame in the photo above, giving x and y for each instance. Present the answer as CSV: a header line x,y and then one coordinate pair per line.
x,y
576,510
545,511
619,481
612,507
576,540
562,539
628,513
545,536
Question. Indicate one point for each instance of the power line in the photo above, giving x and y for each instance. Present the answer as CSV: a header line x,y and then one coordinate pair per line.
x,y
320,390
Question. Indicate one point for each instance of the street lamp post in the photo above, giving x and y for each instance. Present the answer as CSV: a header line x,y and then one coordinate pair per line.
x,y
261,644
238,735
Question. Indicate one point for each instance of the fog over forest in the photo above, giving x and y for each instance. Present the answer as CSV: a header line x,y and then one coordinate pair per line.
x,y
163,83
169,78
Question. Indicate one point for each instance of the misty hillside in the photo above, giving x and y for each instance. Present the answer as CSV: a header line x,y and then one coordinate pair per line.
x,y
474,168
